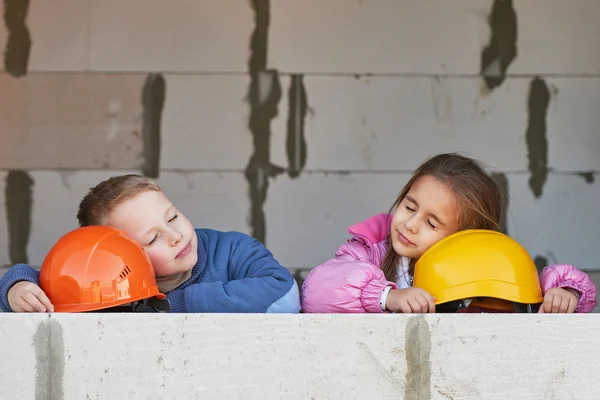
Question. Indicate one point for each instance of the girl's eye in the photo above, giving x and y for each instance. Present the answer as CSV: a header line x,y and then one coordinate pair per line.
x,y
430,224
173,219
410,209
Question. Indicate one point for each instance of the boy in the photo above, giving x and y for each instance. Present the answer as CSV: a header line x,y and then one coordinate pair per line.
x,y
200,270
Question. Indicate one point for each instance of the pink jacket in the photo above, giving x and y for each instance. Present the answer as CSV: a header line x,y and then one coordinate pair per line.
x,y
352,281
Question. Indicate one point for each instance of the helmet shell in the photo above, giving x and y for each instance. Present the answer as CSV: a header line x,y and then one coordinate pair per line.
x,y
478,263
97,267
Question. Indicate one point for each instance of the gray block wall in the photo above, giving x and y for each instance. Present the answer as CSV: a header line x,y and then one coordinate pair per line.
x,y
290,120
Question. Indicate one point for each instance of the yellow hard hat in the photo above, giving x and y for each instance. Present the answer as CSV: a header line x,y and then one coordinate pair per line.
x,y
478,263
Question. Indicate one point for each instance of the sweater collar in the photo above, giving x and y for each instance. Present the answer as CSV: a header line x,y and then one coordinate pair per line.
x,y
200,267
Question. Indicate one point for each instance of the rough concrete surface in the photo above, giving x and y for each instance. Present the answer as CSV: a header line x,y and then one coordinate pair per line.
x,y
299,356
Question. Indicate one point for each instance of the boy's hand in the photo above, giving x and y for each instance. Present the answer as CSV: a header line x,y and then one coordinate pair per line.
x,y
559,300
25,296
410,300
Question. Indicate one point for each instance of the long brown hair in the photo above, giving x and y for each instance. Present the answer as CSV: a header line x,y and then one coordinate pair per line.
x,y
478,196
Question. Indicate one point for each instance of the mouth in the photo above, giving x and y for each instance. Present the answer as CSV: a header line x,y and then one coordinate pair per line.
x,y
404,240
185,251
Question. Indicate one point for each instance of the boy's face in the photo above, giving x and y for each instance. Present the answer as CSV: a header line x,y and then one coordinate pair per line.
x,y
165,233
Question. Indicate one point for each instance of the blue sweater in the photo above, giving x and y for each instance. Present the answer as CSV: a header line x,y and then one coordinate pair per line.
x,y
235,273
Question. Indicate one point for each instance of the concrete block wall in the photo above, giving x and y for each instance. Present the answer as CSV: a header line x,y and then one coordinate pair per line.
x,y
212,356
290,120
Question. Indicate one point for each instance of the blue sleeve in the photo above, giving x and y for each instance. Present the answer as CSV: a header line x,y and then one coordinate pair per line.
x,y
20,272
257,283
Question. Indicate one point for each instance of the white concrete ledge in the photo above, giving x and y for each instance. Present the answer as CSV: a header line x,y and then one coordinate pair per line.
x,y
124,356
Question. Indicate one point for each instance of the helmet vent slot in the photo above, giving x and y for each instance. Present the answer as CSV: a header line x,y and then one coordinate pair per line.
x,y
124,273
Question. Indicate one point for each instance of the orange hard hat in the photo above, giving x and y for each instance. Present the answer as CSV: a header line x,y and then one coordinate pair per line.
x,y
96,268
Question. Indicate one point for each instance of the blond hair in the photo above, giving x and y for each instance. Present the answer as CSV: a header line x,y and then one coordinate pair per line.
x,y
97,204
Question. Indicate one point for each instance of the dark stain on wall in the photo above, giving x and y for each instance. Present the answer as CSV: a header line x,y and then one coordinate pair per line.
x,y
588,177
264,96
541,262
502,183
260,35
19,206
153,102
502,48
18,43
537,142
49,346
417,345
296,141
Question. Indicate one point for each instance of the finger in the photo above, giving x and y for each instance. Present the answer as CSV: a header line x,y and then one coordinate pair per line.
x,y
405,307
547,305
414,305
430,302
572,305
556,301
23,306
564,305
423,306
33,301
541,310
41,295
422,299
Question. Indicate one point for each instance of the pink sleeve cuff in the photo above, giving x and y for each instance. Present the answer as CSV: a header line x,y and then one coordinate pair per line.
x,y
371,295
568,277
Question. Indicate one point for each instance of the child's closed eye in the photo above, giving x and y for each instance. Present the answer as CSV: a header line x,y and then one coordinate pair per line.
x,y
153,240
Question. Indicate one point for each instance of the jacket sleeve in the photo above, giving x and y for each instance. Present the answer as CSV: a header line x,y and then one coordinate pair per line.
x,y
257,284
348,283
567,276
20,272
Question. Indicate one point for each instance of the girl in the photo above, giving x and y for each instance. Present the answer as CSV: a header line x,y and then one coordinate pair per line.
x,y
373,271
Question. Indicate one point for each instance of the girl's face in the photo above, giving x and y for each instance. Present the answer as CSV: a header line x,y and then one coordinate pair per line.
x,y
427,214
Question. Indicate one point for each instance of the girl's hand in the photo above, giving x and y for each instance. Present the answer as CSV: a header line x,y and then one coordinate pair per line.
x,y
559,300
25,296
410,300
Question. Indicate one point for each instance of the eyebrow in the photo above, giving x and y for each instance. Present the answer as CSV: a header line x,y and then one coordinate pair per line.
x,y
411,200
430,214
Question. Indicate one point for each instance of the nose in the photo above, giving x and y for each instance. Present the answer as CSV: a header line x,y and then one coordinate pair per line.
x,y
175,237
411,224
